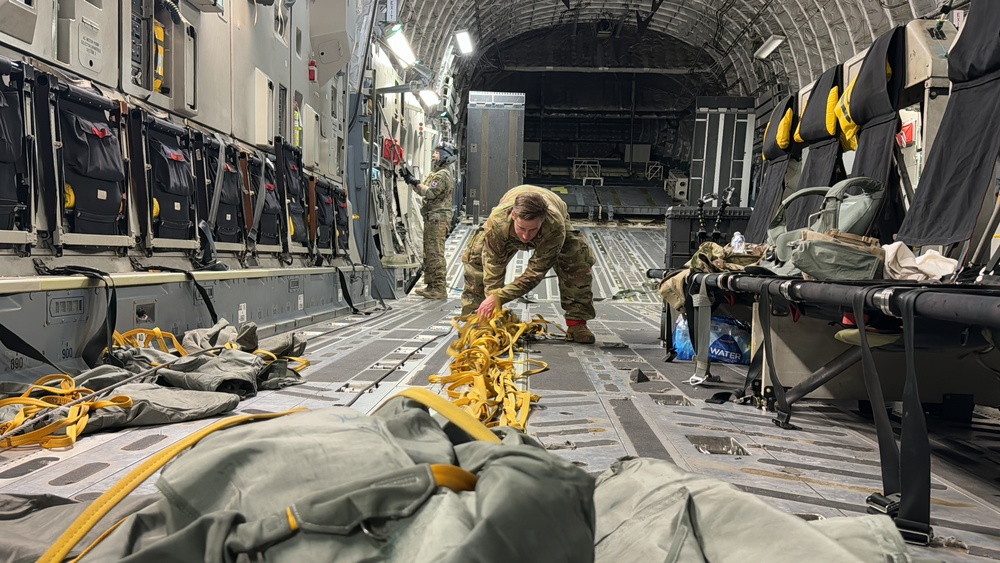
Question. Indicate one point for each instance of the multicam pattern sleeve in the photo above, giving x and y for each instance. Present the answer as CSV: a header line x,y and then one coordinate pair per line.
x,y
437,194
501,244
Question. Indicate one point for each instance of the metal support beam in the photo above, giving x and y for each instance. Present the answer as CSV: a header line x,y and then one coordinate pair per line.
x,y
606,69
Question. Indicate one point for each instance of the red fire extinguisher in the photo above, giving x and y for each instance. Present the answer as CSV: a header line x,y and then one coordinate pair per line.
x,y
312,70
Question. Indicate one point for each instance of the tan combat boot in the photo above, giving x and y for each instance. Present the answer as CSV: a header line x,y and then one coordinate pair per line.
x,y
431,293
580,333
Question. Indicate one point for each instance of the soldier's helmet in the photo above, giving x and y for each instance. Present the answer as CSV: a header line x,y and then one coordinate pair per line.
x,y
448,152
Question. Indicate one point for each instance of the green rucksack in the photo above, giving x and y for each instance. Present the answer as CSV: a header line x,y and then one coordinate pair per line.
x,y
849,207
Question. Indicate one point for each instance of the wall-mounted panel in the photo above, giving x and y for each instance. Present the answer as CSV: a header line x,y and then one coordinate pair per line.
x,y
163,58
87,39
259,39
298,72
28,26
213,67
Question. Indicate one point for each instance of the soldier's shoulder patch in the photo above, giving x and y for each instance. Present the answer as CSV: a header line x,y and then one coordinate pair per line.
x,y
434,184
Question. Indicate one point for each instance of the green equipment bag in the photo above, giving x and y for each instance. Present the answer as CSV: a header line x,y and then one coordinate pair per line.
x,y
652,510
335,485
850,207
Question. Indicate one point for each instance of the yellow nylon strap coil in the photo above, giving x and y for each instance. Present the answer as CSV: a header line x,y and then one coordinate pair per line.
x,y
483,374
62,432
149,336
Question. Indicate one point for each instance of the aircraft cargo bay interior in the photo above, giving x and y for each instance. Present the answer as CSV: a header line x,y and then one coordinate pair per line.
x,y
453,280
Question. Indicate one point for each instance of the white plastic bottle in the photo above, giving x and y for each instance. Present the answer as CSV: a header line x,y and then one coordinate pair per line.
x,y
738,244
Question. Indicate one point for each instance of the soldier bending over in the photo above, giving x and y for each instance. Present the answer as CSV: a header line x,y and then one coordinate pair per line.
x,y
529,217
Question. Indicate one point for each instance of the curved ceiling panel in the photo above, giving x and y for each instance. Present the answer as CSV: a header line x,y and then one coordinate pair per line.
x,y
819,32
601,75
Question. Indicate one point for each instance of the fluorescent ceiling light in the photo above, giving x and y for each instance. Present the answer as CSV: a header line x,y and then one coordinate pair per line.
x,y
769,46
430,97
464,41
400,46
411,100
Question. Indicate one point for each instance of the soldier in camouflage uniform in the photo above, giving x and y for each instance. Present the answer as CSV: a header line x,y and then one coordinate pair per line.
x,y
436,189
530,218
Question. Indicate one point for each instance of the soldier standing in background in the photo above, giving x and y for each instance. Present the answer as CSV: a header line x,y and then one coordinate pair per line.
x,y
436,189
530,218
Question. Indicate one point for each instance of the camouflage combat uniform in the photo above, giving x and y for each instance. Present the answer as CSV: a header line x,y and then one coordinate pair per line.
x,y
436,211
557,245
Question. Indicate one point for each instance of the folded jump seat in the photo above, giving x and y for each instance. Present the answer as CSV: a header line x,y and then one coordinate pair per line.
x,y
343,219
325,214
12,166
270,219
228,221
294,191
172,187
94,169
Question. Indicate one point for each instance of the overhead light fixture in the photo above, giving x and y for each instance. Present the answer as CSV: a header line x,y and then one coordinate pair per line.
x,y
399,46
411,100
401,88
430,97
464,41
769,46
425,73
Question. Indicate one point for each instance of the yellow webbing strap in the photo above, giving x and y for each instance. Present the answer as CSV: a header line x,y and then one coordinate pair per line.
x,y
104,503
269,358
457,416
149,336
482,375
99,539
71,426
454,478
302,363
266,355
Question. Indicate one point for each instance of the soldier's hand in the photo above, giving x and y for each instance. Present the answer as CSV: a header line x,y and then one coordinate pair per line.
x,y
487,308
407,175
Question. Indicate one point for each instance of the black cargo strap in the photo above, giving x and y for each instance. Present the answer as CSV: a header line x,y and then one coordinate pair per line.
x,y
413,280
190,276
93,350
784,410
913,519
702,321
258,204
15,343
220,168
887,502
347,291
